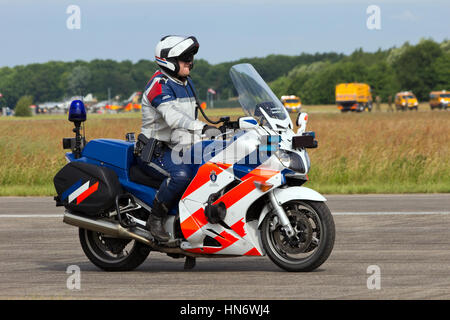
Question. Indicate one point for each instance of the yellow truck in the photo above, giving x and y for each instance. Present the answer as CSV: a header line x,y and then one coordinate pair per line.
x,y
291,103
353,97
406,100
439,99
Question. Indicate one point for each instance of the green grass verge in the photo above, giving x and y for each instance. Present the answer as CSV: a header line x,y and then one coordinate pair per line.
x,y
49,189
379,188
27,190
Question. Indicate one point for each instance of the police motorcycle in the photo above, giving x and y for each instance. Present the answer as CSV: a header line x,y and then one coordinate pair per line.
x,y
246,198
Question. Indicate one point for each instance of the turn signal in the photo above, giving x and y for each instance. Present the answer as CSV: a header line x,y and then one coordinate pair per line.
x,y
263,186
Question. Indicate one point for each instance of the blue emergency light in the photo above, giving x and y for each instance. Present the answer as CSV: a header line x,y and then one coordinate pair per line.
x,y
77,111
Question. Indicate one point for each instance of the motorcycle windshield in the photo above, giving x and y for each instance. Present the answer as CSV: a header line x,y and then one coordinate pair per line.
x,y
255,96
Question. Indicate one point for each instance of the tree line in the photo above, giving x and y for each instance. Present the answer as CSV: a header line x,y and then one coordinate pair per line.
x,y
420,68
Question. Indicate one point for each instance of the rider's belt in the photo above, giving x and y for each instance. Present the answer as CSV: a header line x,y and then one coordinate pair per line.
x,y
147,148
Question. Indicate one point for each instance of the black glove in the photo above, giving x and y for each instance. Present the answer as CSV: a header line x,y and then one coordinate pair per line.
x,y
206,127
210,132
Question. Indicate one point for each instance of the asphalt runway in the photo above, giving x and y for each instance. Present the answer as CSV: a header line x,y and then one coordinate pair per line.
x,y
405,238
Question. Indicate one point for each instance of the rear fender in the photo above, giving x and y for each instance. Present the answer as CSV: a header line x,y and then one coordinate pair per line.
x,y
292,193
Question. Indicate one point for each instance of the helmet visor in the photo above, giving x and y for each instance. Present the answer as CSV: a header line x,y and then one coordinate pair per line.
x,y
188,57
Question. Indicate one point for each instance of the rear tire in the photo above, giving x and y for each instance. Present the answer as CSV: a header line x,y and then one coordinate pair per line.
x,y
316,233
97,248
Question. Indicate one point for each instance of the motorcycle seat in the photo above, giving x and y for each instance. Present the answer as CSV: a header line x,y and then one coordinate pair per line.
x,y
139,176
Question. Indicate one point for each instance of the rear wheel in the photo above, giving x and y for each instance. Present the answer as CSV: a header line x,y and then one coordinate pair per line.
x,y
312,243
112,254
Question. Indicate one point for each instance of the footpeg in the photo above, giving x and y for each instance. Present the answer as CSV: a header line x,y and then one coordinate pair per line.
x,y
173,243
142,233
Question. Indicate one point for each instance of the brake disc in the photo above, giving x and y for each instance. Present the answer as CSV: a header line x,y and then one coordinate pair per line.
x,y
301,241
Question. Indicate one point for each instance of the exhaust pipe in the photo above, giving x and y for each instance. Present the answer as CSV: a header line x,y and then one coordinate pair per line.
x,y
106,227
114,229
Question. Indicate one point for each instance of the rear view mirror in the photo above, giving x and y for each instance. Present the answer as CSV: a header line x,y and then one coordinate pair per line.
x,y
247,123
302,120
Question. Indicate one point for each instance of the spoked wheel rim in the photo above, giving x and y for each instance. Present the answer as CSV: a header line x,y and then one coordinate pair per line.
x,y
107,249
307,227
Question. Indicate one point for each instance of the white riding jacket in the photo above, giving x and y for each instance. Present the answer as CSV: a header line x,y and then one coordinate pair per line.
x,y
169,111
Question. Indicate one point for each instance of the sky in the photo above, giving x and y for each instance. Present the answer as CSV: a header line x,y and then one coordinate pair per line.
x,y
37,31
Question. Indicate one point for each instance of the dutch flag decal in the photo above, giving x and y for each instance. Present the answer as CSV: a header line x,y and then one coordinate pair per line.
x,y
161,60
79,191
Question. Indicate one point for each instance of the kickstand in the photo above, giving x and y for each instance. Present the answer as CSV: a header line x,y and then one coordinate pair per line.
x,y
189,263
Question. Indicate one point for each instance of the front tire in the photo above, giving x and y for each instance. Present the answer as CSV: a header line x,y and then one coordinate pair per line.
x,y
112,254
314,239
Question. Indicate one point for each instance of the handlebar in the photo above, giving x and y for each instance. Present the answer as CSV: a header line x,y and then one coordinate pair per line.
x,y
222,119
227,124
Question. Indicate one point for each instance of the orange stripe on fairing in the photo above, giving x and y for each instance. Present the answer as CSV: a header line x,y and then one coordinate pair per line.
x,y
261,173
238,227
193,223
237,193
87,193
197,220
253,252
201,177
246,186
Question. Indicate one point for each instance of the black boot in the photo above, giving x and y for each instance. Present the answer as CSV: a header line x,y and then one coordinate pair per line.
x,y
155,222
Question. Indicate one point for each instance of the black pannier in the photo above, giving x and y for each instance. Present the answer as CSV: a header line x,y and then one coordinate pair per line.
x,y
86,188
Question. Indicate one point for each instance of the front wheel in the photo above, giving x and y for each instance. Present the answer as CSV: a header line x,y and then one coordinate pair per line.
x,y
112,254
312,243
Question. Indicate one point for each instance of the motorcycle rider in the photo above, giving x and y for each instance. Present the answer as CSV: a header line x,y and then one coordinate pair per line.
x,y
169,116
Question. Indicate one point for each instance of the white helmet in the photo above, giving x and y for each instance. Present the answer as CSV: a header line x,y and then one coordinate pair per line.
x,y
173,48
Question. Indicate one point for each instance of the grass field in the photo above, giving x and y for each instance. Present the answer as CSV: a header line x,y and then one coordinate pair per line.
x,y
377,152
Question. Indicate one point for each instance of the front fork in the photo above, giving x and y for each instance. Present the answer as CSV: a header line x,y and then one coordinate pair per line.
x,y
283,218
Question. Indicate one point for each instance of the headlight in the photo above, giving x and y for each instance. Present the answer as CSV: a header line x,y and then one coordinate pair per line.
x,y
284,157
292,160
